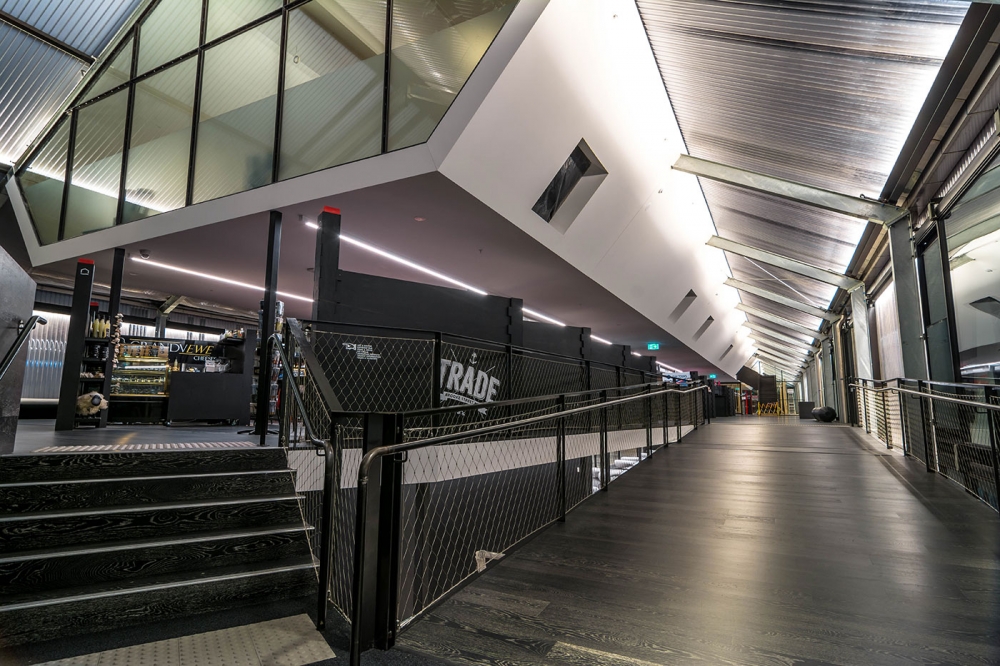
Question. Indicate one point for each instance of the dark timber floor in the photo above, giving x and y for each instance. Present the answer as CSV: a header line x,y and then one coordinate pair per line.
x,y
756,541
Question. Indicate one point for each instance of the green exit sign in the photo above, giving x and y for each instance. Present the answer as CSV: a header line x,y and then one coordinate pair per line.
x,y
711,376
653,346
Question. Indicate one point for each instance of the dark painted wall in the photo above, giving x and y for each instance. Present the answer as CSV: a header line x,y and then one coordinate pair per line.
x,y
373,300
17,295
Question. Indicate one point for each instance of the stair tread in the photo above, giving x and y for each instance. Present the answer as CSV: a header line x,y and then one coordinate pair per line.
x,y
84,593
129,544
134,508
161,477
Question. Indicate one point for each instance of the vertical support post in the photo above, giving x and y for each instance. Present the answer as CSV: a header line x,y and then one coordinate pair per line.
x,y
904,428
904,278
561,459
605,466
376,552
885,421
649,421
331,492
694,410
923,428
114,307
327,263
680,431
666,419
269,304
992,395
69,387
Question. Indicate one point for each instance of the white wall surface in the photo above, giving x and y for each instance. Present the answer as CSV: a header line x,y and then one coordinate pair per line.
x,y
586,70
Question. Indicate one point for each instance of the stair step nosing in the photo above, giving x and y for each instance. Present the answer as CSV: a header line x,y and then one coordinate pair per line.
x,y
158,587
94,549
47,515
165,477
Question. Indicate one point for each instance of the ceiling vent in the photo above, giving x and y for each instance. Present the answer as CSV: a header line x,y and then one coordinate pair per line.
x,y
572,187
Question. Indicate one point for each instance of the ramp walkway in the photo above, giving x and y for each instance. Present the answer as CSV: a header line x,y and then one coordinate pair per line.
x,y
755,541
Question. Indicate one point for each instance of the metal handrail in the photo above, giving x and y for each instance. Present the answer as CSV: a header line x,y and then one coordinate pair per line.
x,y
22,337
523,401
931,396
369,458
329,475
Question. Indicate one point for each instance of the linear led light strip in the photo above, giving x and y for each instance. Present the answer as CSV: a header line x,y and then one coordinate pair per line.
x,y
216,278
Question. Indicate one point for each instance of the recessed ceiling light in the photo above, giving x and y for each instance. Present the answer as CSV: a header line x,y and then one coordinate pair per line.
x,y
600,339
420,219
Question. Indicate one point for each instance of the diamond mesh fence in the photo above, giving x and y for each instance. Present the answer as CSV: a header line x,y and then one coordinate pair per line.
x,y
464,502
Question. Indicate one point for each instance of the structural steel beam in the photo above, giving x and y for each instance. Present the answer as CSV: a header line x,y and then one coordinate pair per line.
x,y
865,209
781,300
774,360
783,355
793,265
45,37
777,339
762,330
780,321
778,357
790,354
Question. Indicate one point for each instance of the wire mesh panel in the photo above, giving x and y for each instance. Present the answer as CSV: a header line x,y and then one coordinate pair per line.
x,y
463,503
964,452
371,373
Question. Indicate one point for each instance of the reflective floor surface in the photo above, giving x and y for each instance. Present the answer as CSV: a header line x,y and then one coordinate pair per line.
x,y
755,541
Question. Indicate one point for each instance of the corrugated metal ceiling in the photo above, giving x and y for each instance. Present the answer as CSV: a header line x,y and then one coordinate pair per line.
x,y
35,78
821,92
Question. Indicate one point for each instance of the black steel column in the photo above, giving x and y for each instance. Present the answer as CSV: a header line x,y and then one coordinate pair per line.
x,y
605,466
114,307
561,459
327,264
75,344
269,306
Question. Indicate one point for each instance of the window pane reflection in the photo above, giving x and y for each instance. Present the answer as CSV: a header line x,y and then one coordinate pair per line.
x,y
156,179
224,16
170,31
42,183
236,132
114,75
433,55
97,161
333,88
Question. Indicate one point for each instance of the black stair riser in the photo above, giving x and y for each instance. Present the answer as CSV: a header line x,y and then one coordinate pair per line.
x,y
32,533
128,565
133,492
69,466
77,617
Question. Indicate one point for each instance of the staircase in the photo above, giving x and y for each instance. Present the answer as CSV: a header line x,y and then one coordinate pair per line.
x,y
99,541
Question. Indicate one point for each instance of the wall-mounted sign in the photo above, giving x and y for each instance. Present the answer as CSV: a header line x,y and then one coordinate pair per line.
x,y
653,346
711,376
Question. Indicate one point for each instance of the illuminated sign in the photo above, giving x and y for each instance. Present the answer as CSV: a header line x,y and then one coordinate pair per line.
x,y
653,346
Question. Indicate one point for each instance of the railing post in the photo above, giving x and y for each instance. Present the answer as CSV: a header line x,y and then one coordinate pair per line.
x,y
649,422
923,428
694,410
885,420
666,419
680,431
331,492
605,463
376,550
992,392
904,428
561,459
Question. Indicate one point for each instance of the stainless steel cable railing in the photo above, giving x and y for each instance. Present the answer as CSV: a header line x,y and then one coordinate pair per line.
x,y
954,429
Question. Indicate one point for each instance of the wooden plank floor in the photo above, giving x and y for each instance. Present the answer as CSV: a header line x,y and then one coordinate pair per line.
x,y
756,541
